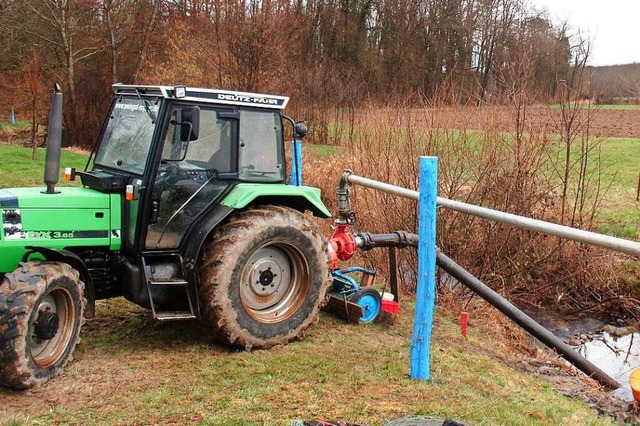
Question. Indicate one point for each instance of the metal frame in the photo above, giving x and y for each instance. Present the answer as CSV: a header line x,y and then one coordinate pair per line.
x,y
428,256
213,96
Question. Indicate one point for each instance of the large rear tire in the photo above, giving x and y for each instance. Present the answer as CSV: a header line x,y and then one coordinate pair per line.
x,y
41,312
264,277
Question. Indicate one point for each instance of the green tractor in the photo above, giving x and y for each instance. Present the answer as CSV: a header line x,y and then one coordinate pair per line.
x,y
184,209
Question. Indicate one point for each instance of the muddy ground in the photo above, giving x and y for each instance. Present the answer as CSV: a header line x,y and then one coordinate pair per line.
x,y
567,379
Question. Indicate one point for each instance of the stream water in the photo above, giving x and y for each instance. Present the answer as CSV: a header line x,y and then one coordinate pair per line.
x,y
613,350
616,356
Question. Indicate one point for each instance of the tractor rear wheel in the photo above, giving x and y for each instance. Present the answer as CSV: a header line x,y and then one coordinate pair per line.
x,y
264,277
41,312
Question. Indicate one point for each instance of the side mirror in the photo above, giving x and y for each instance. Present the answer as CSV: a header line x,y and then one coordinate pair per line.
x,y
190,125
300,130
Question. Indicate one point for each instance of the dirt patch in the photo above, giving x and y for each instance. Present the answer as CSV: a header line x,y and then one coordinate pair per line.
x,y
566,380
532,358
512,346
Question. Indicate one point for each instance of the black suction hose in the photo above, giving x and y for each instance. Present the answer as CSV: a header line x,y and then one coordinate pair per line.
x,y
402,239
524,321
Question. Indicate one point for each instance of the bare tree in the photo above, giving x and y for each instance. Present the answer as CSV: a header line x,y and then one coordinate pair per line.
x,y
32,76
145,39
58,25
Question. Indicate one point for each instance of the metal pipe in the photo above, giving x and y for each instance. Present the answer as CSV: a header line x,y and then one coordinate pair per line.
x,y
587,237
381,186
524,321
344,200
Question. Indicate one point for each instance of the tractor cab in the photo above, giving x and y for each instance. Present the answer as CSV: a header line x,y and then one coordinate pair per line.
x,y
175,151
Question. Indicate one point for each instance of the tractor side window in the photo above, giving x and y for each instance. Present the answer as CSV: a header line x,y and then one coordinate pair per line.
x,y
212,149
261,144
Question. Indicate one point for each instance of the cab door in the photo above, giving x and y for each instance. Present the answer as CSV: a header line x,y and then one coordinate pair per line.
x,y
192,174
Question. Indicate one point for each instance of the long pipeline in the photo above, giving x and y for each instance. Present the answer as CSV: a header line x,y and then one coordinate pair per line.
x,y
587,237
366,241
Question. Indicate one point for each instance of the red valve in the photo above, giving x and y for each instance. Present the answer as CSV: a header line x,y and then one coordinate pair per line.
x,y
342,244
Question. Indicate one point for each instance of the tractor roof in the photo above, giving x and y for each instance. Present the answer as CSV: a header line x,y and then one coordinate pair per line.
x,y
212,96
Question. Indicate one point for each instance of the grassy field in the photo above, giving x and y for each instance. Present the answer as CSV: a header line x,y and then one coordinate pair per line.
x,y
628,107
619,212
20,125
18,169
129,369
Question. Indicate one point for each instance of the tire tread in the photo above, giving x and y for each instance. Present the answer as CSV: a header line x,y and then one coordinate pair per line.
x,y
19,292
223,250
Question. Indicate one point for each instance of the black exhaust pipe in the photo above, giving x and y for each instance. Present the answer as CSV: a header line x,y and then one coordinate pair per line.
x,y
54,142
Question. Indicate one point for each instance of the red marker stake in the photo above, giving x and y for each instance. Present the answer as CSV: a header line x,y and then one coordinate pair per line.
x,y
463,323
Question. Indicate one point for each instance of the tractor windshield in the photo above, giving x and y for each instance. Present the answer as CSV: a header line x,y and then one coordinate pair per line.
x,y
127,138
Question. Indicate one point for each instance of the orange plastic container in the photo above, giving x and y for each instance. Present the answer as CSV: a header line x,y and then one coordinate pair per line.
x,y
390,306
634,381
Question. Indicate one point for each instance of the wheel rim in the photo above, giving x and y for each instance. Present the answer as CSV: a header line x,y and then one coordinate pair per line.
x,y
274,282
51,327
370,307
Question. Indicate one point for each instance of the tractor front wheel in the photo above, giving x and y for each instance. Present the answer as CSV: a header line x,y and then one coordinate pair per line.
x,y
264,277
41,312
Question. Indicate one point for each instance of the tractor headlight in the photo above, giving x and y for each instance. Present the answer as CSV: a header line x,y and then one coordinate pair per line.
x,y
180,91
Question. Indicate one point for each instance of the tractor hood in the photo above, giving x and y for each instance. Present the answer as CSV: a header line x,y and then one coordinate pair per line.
x,y
73,217
67,198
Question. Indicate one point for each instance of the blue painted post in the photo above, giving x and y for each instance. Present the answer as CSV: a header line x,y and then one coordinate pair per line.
x,y
296,163
426,291
13,117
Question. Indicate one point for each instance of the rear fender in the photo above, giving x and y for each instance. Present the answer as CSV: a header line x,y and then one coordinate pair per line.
x,y
76,263
298,197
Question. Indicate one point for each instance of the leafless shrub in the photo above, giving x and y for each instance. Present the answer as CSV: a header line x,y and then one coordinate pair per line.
x,y
506,169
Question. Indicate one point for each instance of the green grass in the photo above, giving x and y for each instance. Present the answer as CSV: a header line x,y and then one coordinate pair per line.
x,y
129,369
18,169
626,107
321,152
618,213
20,125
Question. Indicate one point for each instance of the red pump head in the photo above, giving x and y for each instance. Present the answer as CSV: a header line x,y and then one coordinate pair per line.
x,y
342,244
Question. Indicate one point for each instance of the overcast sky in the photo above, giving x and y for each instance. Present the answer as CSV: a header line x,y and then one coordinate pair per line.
x,y
612,25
